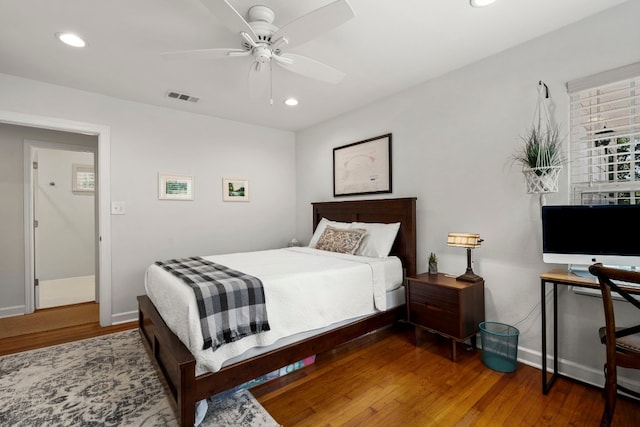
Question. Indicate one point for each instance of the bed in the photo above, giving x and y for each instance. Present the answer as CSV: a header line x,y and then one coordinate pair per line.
x,y
181,368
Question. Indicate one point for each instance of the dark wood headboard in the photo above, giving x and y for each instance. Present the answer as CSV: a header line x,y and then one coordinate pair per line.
x,y
402,210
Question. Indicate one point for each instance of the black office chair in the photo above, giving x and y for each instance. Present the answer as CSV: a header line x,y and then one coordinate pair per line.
x,y
622,344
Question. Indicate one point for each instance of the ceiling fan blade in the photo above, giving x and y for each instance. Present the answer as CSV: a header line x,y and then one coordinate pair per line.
x,y
204,54
309,67
229,16
259,80
315,23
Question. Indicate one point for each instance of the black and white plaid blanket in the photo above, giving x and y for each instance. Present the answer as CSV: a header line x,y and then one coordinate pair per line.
x,y
231,303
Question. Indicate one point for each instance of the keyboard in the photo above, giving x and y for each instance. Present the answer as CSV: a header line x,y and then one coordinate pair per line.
x,y
631,285
634,287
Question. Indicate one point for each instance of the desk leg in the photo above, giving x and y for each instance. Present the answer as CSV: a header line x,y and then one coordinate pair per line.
x,y
547,383
543,310
555,331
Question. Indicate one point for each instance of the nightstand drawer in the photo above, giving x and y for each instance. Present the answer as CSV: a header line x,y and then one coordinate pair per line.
x,y
443,298
434,317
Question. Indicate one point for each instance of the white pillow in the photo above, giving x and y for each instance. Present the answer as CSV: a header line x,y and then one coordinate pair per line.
x,y
379,239
320,229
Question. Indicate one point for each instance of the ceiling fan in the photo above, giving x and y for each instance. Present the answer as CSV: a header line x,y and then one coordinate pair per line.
x,y
265,43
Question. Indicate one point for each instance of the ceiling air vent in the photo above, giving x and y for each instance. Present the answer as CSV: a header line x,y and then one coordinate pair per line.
x,y
182,97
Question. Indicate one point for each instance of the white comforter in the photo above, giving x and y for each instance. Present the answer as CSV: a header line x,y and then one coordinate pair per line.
x,y
305,289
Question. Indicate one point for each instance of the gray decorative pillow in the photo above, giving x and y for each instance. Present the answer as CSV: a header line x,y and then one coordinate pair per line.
x,y
345,241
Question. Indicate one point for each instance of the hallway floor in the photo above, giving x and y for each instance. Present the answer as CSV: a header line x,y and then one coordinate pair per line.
x,y
49,319
52,326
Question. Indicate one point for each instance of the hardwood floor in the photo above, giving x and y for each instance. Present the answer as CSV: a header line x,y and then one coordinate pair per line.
x,y
382,379
49,318
53,326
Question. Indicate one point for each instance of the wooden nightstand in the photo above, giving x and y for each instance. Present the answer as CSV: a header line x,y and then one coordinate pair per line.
x,y
445,306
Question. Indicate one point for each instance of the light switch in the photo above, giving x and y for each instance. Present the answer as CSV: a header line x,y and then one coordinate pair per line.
x,y
118,208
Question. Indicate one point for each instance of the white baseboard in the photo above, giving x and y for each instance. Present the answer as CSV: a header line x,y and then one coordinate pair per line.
x,y
18,310
566,367
585,374
129,316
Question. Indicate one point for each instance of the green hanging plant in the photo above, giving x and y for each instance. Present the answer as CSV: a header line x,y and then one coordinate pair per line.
x,y
542,149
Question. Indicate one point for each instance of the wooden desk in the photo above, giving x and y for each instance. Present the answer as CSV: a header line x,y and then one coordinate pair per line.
x,y
560,277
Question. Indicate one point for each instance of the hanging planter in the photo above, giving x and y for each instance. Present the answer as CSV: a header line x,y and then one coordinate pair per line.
x,y
541,155
542,180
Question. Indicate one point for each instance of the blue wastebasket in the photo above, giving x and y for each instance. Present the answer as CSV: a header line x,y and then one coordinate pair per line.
x,y
499,346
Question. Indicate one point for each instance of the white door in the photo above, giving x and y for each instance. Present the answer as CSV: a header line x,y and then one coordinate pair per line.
x,y
64,227
34,190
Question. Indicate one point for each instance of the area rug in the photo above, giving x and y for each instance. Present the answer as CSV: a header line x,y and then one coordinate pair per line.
x,y
103,381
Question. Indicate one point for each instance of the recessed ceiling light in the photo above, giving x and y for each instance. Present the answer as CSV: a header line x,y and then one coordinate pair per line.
x,y
291,102
71,39
481,3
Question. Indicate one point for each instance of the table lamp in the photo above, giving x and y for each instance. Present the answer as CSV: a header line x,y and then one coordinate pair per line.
x,y
469,241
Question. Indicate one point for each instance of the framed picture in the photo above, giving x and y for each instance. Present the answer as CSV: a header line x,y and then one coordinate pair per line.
x,y
235,190
363,167
175,187
84,180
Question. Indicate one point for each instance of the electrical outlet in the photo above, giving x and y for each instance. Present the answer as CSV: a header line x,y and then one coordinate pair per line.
x,y
118,208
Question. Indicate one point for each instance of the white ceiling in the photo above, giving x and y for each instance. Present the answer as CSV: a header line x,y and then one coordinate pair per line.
x,y
389,46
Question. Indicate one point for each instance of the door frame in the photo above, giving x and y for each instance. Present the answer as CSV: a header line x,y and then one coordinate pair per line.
x,y
31,147
103,217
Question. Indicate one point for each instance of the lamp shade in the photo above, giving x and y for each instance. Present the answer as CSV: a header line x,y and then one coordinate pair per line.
x,y
469,241
464,240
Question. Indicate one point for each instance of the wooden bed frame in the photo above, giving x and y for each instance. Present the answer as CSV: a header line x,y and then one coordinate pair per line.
x,y
177,364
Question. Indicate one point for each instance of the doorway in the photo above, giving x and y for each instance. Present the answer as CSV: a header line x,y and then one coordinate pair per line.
x,y
63,192
103,168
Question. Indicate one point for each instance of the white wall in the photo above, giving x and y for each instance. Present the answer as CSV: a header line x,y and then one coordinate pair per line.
x,y
453,140
146,140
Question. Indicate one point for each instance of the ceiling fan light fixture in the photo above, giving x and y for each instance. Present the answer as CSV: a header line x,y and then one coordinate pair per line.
x,y
71,39
291,102
481,3
265,43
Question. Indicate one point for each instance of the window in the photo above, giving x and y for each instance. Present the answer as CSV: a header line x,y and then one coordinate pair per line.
x,y
604,154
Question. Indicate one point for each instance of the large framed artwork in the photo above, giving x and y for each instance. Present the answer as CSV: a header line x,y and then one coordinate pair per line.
x,y
363,167
175,187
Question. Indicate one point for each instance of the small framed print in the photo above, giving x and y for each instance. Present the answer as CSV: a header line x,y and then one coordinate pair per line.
x,y
175,187
84,180
235,190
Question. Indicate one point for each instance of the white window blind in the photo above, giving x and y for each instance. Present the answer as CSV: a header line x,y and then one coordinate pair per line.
x,y
604,152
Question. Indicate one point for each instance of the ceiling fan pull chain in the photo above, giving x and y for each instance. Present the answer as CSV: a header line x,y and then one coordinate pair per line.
x,y
271,82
